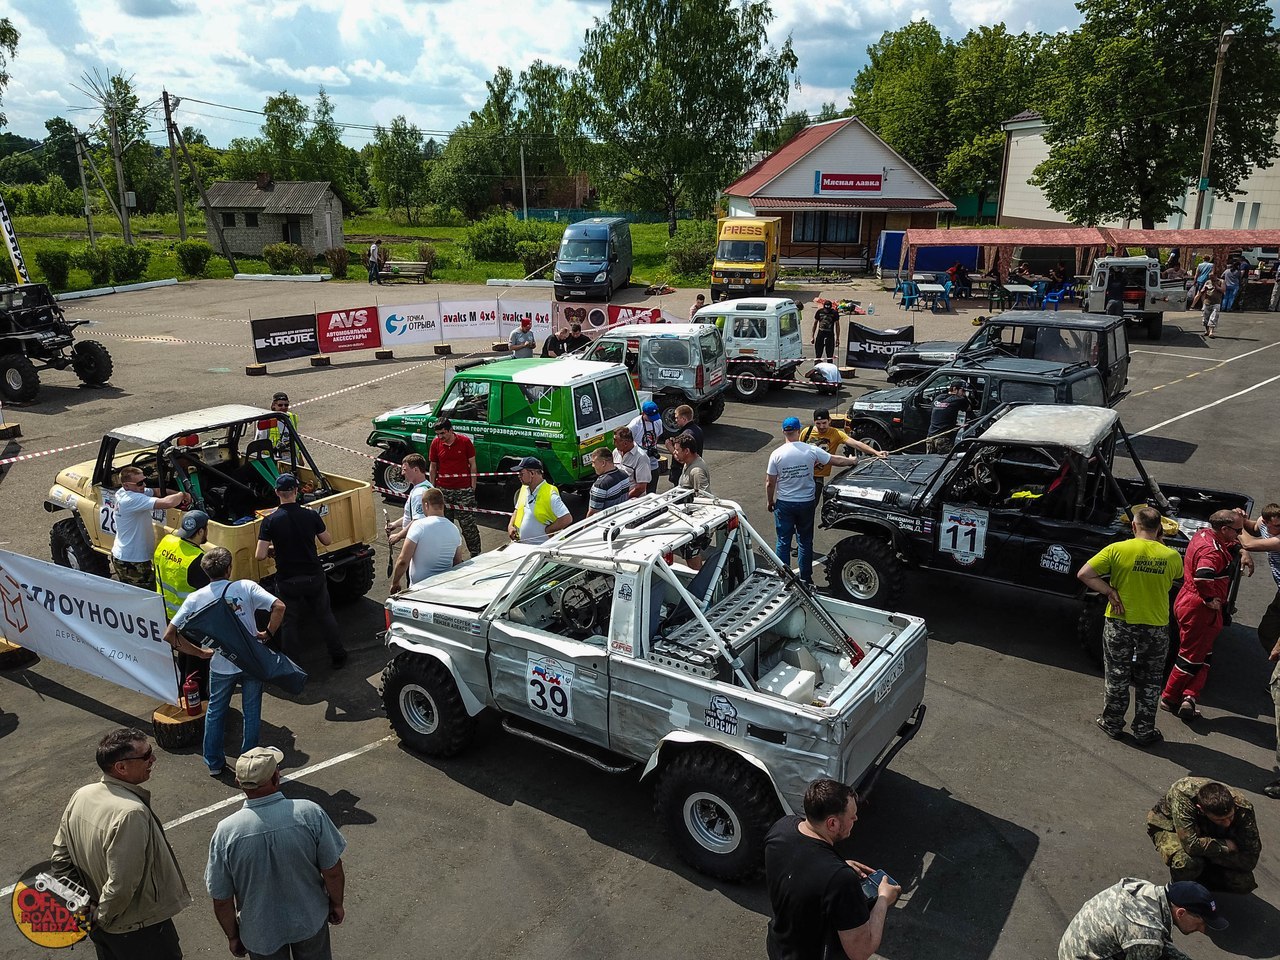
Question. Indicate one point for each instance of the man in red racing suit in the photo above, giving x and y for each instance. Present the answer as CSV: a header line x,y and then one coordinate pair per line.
x,y
1208,571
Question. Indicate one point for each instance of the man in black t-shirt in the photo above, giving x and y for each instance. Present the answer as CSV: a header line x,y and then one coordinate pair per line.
x,y
819,911
946,413
290,534
826,331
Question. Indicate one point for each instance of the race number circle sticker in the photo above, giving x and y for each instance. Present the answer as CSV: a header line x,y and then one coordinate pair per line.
x,y
49,910
550,686
963,534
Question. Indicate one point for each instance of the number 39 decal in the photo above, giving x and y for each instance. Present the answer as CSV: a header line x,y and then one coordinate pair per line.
x,y
550,686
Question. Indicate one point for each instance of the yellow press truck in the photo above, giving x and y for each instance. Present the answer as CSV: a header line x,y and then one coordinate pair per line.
x,y
746,261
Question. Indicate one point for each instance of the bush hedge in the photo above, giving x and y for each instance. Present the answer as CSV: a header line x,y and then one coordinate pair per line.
x,y
338,259
692,249
96,262
280,257
496,238
56,267
193,257
128,264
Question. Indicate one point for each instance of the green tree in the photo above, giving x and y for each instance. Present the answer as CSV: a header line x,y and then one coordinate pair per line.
x,y
670,91
464,173
903,91
1125,99
396,170
284,128
59,154
8,50
192,135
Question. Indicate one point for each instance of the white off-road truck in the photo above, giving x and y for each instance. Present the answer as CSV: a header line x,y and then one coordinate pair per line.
x,y
1131,287
732,684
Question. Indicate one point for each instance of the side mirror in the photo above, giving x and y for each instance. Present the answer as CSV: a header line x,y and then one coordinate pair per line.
x,y
613,256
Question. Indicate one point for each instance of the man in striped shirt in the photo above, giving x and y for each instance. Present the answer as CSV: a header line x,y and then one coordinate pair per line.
x,y
612,485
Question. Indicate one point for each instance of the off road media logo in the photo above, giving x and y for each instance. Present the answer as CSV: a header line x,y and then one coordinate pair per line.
x,y
1056,559
721,715
51,910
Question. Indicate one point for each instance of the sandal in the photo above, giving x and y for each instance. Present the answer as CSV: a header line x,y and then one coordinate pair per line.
x,y
1187,711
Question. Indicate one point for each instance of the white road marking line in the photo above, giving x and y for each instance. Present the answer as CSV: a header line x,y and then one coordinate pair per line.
x,y
1207,406
1188,356
1161,353
238,796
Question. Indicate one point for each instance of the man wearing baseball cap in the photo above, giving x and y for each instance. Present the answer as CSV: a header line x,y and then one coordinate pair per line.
x,y
1135,918
275,868
947,408
646,430
270,431
792,495
539,512
522,340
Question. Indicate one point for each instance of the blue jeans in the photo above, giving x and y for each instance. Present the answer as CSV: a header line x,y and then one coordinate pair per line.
x,y
1229,296
221,686
793,518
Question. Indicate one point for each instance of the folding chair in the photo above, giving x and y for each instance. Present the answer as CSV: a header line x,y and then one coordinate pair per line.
x,y
910,296
1055,298
944,298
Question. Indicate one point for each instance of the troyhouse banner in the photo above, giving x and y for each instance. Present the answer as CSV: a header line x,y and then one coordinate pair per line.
x,y
341,330
409,323
98,626
871,348
284,338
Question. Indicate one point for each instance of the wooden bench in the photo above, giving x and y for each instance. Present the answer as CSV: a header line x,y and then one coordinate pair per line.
x,y
405,270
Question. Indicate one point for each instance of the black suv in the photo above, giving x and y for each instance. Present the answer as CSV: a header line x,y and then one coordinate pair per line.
x,y
34,331
898,417
1025,499
1072,337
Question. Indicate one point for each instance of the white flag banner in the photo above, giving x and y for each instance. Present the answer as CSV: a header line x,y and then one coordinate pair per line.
x,y
409,323
106,629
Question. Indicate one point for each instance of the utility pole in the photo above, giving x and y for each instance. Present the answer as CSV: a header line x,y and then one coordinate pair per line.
x,y
116,156
84,189
84,149
524,190
1224,41
195,177
173,163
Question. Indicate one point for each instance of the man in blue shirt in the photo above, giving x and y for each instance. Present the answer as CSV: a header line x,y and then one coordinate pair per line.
x,y
275,869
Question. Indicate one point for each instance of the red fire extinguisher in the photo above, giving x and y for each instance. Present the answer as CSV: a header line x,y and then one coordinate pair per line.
x,y
191,695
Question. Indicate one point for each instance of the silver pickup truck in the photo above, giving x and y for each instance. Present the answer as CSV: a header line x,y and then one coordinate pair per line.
x,y
731,684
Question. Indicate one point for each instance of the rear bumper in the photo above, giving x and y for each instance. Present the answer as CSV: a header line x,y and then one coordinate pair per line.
x,y
906,733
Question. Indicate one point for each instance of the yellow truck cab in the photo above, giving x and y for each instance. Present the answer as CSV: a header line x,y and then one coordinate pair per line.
x,y
746,262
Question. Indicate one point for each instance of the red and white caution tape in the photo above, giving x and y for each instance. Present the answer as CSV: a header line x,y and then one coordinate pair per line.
x,y
367,383
45,453
369,456
449,506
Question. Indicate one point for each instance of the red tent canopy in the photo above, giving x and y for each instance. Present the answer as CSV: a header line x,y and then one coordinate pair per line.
x,y
999,244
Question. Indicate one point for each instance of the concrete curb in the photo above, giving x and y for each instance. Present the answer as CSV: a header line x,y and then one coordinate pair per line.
x,y
520,283
102,291
301,278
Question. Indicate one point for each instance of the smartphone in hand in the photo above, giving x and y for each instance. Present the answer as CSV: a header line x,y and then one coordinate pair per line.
x,y
871,885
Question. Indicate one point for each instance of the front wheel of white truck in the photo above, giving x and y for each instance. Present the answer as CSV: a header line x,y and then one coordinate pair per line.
x,y
717,810
424,706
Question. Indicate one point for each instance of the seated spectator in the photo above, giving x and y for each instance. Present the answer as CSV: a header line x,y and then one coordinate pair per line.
x,y
1207,832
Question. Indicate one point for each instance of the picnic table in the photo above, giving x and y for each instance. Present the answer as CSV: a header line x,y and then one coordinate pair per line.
x,y
930,293
1022,293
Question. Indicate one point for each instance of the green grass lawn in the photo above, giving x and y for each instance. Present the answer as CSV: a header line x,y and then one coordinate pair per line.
x,y
159,232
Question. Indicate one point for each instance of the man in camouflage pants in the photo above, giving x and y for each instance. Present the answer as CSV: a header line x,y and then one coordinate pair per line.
x,y
1134,919
1135,633
1207,832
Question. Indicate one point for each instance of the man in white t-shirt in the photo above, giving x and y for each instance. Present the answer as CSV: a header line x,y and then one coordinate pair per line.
x,y
791,494
414,467
633,461
432,544
827,376
647,431
539,511
246,598
135,542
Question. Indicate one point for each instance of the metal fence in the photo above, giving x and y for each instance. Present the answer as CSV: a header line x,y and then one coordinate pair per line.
x,y
573,215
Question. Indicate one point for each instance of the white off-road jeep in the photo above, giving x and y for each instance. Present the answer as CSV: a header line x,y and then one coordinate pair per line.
x,y
732,683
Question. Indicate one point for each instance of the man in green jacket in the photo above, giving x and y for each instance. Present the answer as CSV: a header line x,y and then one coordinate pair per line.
x,y
111,838
1207,832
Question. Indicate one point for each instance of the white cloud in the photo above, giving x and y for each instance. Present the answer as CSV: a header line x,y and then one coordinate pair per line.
x,y
428,61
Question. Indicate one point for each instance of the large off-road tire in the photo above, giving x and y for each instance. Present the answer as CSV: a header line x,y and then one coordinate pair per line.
x,y
19,381
864,569
92,362
746,384
388,475
1089,627
424,706
69,546
669,424
714,410
1154,323
351,581
872,435
717,810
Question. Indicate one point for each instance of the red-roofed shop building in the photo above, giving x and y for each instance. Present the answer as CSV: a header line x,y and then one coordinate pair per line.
x,y
836,186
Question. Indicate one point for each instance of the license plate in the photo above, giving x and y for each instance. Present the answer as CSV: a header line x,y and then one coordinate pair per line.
x,y
886,684
736,286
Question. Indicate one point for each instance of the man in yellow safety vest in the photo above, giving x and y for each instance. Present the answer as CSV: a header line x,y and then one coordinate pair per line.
x,y
179,574
273,433
539,511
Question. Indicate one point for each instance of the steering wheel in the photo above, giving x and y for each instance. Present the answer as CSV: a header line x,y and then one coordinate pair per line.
x,y
578,607
142,458
984,476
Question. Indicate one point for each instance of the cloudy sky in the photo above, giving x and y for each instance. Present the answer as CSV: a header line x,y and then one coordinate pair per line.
x,y
426,59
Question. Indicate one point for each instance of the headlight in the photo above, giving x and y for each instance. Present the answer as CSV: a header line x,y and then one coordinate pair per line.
x,y
558,277
601,275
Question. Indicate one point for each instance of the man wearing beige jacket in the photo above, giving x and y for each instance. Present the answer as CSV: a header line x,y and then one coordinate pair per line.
x,y
112,840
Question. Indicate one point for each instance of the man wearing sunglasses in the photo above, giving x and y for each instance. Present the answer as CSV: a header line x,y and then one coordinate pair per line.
x,y
111,837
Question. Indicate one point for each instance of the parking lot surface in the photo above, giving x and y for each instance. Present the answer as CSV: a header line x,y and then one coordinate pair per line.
x,y
1005,814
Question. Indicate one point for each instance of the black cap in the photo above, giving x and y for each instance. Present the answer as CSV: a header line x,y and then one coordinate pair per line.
x,y
280,396
286,481
957,384
1196,899
529,463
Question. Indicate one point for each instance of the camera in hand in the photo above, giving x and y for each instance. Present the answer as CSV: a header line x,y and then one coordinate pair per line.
x,y
871,885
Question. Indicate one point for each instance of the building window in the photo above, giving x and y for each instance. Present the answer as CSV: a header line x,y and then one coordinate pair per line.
x,y
228,219
822,226
250,219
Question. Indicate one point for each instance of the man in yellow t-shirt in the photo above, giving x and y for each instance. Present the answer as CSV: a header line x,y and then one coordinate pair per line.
x,y
1135,635
823,434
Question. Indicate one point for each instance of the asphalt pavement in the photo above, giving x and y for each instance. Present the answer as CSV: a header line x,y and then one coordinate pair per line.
x,y
1005,814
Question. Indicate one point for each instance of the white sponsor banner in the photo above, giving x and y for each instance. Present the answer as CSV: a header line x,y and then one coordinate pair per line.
x,y
469,318
410,323
511,312
106,629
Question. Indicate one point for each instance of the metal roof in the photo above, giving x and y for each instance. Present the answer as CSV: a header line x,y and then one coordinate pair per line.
x,y
1071,319
837,203
180,424
1038,425
283,196
995,236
